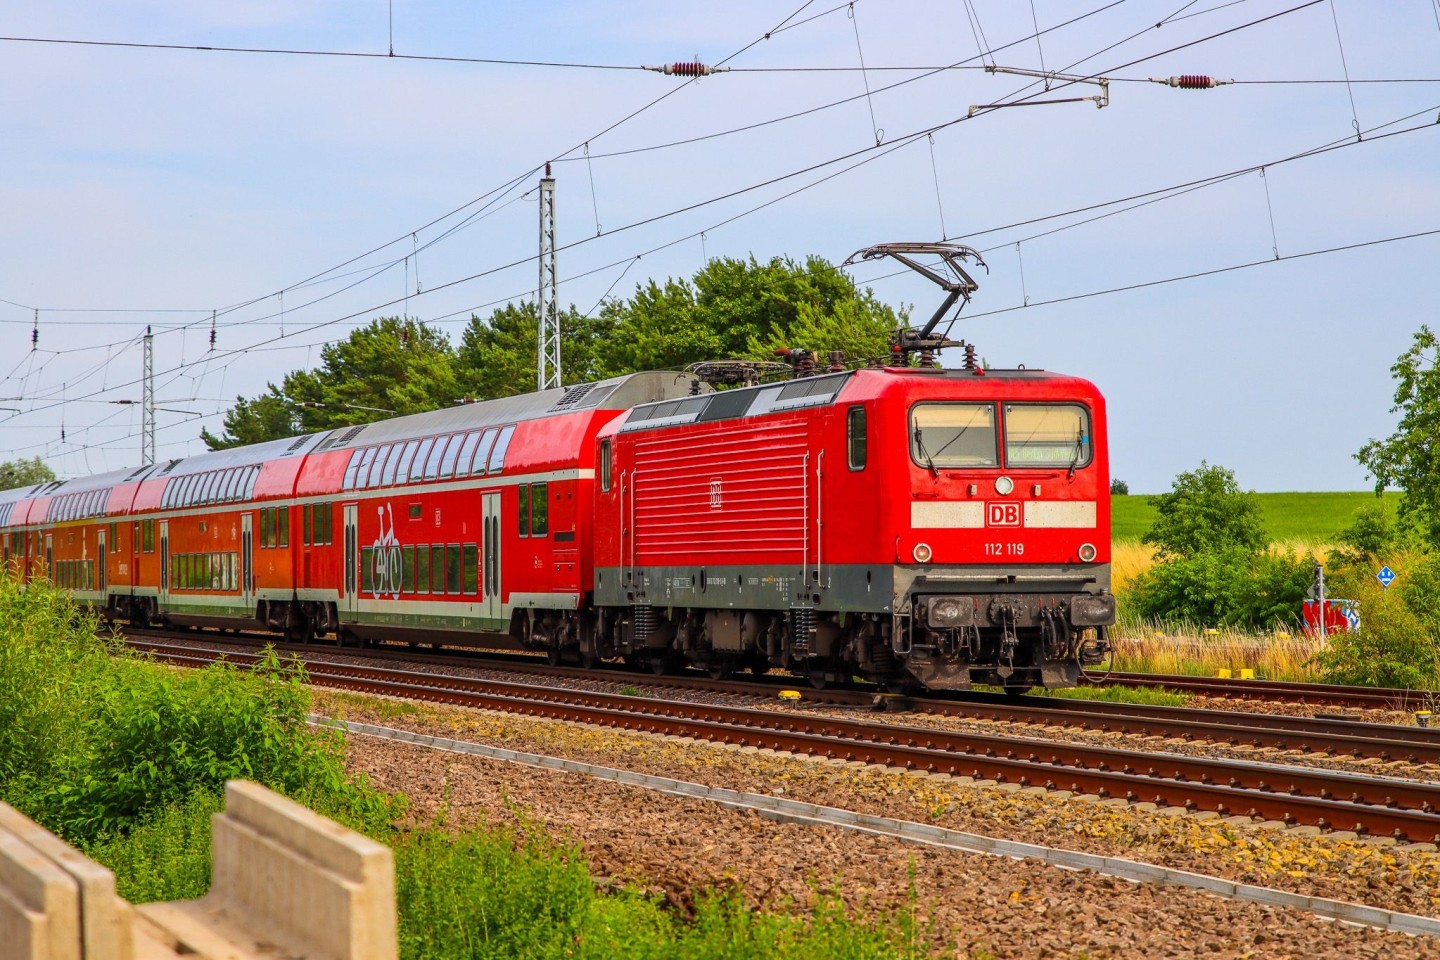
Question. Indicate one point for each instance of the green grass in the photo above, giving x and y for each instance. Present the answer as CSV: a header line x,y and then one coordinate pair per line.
x,y
126,759
1309,517
1146,696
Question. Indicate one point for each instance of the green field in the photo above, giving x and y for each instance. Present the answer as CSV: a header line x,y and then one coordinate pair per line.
x,y
1311,517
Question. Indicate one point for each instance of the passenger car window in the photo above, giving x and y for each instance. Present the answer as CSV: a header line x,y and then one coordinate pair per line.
x,y
482,452
948,435
452,453
402,473
502,444
1047,435
467,451
539,509
432,464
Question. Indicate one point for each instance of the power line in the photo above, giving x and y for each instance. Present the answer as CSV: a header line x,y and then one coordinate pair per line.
x,y
1207,273
344,54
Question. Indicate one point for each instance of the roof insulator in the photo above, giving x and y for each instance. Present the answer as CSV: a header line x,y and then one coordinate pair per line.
x,y
694,68
1191,81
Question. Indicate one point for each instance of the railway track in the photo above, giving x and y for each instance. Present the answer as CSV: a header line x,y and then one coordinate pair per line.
x,y
1294,795
1330,736
1377,698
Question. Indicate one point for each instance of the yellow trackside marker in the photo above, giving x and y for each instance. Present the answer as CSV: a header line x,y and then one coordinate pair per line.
x,y
1223,673
789,694
1246,673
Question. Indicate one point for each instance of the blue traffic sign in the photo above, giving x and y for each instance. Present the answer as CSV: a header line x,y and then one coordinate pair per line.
x,y
1386,576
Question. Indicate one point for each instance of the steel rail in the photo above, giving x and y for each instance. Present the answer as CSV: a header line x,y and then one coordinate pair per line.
x,y
1343,738
1380,698
1374,805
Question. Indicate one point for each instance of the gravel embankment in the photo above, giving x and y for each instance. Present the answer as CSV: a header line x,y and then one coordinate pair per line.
x,y
1010,908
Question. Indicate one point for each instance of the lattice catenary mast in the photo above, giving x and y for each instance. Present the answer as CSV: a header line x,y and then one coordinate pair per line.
x,y
147,409
547,300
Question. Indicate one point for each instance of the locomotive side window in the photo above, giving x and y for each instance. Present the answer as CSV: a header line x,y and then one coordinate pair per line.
x,y
422,572
605,466
1047,435
539,509
307,528
948,435
284,526
855,437
522,526
267,527
147,536
407,569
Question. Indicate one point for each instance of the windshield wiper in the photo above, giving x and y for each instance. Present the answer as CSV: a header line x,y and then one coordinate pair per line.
x,y
929,461
1079,448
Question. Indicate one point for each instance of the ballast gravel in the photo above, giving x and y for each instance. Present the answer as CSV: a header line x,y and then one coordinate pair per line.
x,y
976,905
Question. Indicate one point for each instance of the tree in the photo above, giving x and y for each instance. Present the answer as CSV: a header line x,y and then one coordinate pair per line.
x,y
1119,488
744,309
24,473
392,366
1212,564
1205,510
1410,457
497,357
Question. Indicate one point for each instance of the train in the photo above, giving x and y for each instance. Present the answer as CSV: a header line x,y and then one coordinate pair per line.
x,y
911,525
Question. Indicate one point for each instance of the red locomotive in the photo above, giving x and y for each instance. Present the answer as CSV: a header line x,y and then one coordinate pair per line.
x,y
908,524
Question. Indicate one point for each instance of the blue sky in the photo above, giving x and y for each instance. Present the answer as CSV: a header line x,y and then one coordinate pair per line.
x,y
159,185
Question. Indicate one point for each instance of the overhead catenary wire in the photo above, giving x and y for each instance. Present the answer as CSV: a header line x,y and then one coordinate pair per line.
x,y
737,192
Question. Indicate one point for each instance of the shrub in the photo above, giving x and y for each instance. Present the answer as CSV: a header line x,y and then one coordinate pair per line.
x,y
1394,647
94,740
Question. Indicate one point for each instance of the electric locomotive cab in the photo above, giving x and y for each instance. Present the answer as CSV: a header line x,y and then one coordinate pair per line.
x,y
1002,570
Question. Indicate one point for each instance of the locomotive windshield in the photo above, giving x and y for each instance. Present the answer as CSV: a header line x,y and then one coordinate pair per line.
x,y
1047,435
953,435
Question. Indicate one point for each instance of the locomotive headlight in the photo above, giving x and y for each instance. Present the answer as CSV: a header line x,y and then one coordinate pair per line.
x,y
1003,486
922,553
1087,552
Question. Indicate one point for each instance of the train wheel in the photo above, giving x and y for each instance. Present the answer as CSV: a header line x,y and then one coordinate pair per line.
x,y
819,680
660,665
721,668
1016,691
552,655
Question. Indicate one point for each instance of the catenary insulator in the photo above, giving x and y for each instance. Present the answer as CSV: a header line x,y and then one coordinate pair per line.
x,y
693,68
1190,81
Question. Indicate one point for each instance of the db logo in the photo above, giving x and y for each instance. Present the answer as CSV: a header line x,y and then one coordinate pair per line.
x,y
1002,514
715,495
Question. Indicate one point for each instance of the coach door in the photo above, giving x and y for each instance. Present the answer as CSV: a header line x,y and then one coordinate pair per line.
x,y
352,565
164,559
50,557
247,559
101,560
491,607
